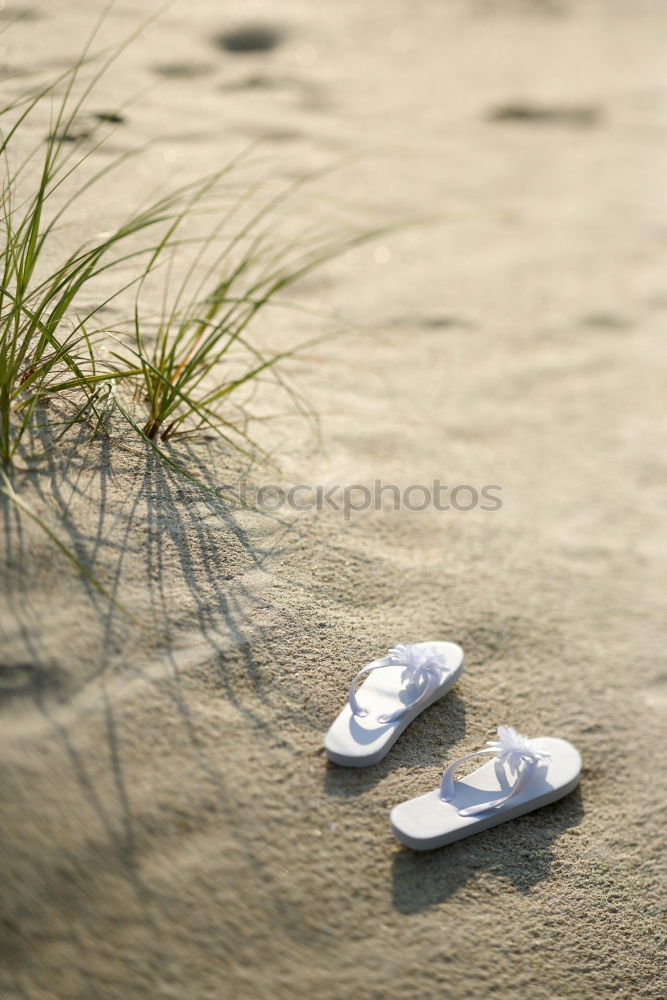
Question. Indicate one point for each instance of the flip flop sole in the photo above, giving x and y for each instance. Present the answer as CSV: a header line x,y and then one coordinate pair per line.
x,y
426,822
355,742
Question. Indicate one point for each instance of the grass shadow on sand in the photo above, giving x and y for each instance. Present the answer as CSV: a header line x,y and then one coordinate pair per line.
x,y
155,538
149,532
414,748
519,852
158,509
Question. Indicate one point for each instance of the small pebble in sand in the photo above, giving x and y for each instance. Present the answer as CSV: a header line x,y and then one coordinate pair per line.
x,y
182,71
73,136
546,114
111,117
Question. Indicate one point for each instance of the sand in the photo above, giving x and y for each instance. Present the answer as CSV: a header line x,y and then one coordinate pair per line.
x,y
170,826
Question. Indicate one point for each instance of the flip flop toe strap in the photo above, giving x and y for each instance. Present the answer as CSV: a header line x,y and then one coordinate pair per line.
x,y
522,756
422,669
357,708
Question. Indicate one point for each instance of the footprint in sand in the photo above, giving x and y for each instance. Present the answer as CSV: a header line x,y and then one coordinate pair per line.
x,y
7,71
73,135
444,322
19,14
546,114
308,95
82,131
271,134
183,71
438,321
535,8
256,82
109,117
605,321
250,38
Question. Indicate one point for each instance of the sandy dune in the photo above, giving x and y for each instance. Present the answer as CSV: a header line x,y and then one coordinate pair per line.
x,y
170,827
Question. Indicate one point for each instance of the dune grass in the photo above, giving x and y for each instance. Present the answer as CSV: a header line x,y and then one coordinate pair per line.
x,y
190,368
177,380
45,346
185,373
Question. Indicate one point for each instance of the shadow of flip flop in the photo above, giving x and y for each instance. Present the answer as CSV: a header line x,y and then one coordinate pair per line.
x,y
519,850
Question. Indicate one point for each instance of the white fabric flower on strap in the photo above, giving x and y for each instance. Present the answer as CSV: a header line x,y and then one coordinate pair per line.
x,y
423,665
513,748
420,662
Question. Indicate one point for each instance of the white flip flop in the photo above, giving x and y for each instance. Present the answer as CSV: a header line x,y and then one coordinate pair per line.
x,y
400,686
523,775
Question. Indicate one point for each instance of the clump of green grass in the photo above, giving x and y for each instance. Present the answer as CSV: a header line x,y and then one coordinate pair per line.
x,y
45,346
186,372
184,378
190,369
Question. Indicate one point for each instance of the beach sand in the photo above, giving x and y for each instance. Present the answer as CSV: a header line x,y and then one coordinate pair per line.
x,y
170,825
